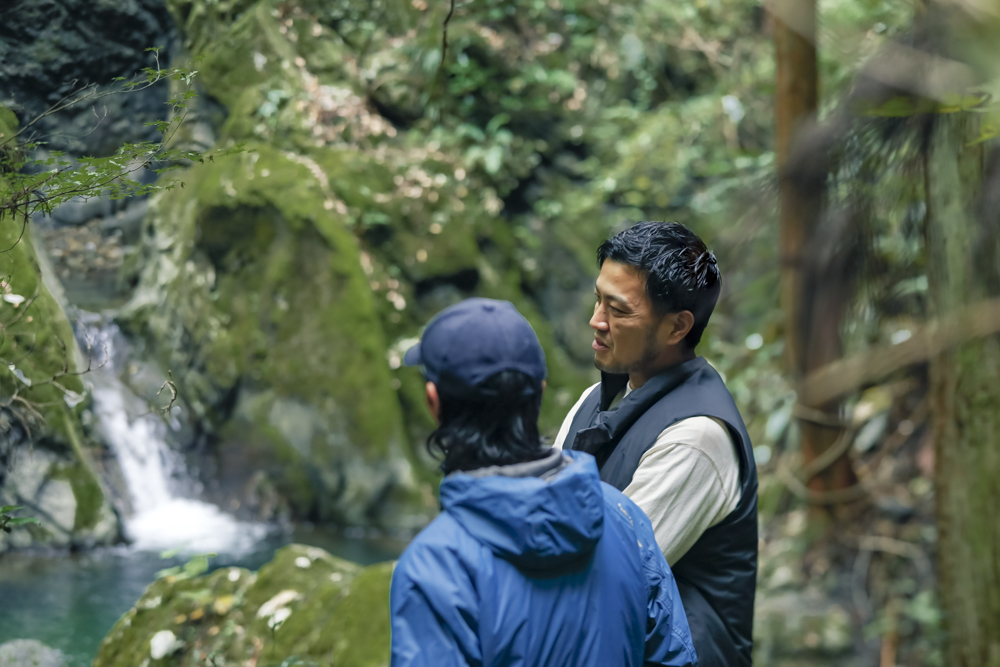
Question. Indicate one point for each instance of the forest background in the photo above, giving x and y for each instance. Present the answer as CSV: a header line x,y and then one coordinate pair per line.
x,y
350,168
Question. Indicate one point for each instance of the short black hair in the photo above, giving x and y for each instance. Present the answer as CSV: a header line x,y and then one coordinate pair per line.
x,y
681,273
496,427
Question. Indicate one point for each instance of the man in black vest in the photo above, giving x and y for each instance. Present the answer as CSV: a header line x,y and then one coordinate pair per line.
x,y
665,430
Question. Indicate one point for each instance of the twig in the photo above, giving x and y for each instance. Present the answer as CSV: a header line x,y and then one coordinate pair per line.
x,y
444,49
100,120
169,384
64,103
444,33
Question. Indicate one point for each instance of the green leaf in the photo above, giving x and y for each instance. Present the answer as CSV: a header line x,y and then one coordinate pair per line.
x,y
899,107
497,122
7,509
22,522
493,159
989,128
8,121
953,102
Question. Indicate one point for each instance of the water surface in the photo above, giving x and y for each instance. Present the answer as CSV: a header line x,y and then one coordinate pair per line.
x,y
71,601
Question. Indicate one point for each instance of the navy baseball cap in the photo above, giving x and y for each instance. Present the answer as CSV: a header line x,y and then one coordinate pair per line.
x,y
467,343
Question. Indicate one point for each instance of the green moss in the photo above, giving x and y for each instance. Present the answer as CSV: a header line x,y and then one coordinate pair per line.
x,y
39,378
292,288
362,620
38,340
249,52
39,364
304,603
255,282
87,492
203,21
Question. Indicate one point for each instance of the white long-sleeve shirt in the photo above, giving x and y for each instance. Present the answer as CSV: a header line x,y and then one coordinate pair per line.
x,y
687,482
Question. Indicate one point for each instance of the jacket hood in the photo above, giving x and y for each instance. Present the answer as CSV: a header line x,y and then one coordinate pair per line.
x,y
533,521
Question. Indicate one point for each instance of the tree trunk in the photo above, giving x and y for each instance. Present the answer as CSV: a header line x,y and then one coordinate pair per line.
x,y
811,316
796,100
962,246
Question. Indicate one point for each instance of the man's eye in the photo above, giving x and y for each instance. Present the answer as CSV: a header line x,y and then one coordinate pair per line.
x,y
616,311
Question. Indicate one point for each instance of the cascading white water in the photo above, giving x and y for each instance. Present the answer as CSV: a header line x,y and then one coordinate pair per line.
x,y
161,519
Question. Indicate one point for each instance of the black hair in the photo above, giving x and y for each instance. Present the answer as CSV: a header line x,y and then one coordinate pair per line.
x,y
681,274
492,428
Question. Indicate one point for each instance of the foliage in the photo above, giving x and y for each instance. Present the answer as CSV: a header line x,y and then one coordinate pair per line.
x,y
39,184
8,523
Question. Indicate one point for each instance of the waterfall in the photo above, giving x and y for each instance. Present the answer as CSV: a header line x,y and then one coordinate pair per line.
x,y
162,518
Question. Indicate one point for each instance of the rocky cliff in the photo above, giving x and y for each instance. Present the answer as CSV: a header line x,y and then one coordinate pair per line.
x,y
382,177
281,285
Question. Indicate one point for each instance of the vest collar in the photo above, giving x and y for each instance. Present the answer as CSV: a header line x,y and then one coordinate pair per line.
x,y
609,426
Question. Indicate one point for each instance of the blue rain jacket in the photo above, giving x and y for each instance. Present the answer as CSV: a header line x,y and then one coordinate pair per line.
x,y
561,571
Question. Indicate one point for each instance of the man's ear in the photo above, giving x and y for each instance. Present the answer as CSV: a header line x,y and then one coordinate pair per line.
x,y
433,401
679,325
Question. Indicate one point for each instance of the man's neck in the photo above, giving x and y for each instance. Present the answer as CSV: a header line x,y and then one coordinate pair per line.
x,y
639,378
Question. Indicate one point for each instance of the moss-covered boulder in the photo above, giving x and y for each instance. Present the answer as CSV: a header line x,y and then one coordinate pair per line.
x,y
281,285
304,604
254,291
46,452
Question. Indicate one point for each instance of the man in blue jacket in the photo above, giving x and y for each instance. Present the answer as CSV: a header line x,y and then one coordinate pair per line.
x,y
533,561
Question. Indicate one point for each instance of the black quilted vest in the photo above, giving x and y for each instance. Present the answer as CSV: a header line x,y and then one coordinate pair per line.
x,y
717,578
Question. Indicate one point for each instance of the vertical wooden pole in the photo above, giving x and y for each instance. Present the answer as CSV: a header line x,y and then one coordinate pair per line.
x,y
811,319
796,100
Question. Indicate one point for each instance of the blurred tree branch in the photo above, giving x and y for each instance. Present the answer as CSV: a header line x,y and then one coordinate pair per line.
x,y
844,376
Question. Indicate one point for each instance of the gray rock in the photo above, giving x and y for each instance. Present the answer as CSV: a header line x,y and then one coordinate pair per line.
x,y
30,653
36,478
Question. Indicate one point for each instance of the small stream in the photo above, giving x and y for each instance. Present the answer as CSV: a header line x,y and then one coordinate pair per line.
x,y
70,601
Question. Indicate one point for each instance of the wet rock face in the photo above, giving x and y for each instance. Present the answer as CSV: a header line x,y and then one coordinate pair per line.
x,y
50,48
304,603
47,451
62,495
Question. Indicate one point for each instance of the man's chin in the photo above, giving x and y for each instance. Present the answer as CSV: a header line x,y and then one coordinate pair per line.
x,y
605,367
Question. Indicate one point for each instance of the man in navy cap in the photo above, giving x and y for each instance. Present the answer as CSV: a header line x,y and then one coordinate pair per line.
x,y
533,560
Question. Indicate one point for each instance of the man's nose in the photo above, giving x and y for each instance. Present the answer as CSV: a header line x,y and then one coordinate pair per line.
x,y
598,322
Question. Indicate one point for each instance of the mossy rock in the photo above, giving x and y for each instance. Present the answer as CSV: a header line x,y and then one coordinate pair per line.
x,y
281,285
46,447
254,294
305,604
